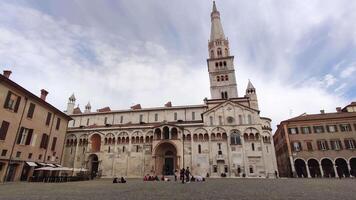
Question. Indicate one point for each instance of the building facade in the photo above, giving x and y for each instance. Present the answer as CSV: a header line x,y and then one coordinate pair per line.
x,y
32,131
318,145
224,135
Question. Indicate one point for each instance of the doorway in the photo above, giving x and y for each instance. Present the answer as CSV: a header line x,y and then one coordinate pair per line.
x,y
168,166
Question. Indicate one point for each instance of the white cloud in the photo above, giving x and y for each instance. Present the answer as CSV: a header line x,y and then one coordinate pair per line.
x,y
348,71
120,69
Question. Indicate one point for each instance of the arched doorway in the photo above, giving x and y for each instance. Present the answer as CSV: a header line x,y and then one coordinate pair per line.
x,y
353,167
95,143
328,167
341,168
300,168
166,159
314,168
93,161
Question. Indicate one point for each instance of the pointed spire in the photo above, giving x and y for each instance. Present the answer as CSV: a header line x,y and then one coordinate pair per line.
x,y
249,85
72,98
214,7
217,31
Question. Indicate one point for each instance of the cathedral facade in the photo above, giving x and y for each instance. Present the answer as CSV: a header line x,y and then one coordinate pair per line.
x,y
223,136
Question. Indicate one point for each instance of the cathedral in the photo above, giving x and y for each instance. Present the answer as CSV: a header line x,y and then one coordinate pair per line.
x,y
223,136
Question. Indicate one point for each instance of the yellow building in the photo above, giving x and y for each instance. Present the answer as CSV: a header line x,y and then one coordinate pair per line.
x,y
32,131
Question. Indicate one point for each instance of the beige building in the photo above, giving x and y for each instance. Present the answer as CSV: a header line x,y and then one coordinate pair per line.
x,y
225,135
32,131
318,145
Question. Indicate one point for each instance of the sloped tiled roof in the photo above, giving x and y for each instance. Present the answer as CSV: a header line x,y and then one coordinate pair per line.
x,y
306,117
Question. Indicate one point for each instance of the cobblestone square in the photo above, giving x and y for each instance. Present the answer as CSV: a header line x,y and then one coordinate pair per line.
x,y
212,189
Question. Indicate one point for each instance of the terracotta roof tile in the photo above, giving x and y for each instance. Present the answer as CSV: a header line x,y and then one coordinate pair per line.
x,y
105,109
335,115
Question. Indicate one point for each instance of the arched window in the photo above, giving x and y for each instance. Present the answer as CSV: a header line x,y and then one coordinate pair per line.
x,y
218,78
226,52
123,149
216,64
199,149
235,138
251,169
220,63
219,52
212,53
225,63
226,77
222,95
166,133
253,146
222,78
226,97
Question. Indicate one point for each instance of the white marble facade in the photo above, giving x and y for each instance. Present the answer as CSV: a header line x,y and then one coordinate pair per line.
x,y
224,135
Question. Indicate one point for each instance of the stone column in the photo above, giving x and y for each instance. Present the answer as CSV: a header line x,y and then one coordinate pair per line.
x,y
308,172
321,171
336,175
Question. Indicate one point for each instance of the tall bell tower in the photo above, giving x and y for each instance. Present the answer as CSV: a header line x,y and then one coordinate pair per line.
x,y
220,62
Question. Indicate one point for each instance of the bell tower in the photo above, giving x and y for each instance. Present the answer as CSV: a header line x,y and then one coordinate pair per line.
x,y
220,62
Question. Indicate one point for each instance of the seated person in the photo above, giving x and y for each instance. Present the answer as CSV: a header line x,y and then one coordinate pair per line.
x,y
122,180
156,178
145,178
115,180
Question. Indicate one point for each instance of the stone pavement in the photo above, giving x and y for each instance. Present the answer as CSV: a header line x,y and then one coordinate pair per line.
x,y
321,189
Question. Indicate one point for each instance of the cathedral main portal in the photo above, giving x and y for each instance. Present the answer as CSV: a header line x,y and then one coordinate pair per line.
x,y
165,159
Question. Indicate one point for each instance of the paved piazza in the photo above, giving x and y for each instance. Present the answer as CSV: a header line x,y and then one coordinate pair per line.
x,y
212,189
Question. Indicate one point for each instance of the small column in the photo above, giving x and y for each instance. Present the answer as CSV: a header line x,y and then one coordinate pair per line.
x,y
308,172
336,175
321,171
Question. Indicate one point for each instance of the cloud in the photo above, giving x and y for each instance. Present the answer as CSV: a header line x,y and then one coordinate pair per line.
x,y
297,54
348,71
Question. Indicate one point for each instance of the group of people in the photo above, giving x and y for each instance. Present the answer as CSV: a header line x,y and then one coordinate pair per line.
x,y
117,180
150,178
184,176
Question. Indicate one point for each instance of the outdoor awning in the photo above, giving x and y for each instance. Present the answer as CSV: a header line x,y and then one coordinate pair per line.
x,y
80,169
31,164
45,169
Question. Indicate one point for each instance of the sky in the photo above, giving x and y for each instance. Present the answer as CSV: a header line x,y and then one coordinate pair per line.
x,y
299,55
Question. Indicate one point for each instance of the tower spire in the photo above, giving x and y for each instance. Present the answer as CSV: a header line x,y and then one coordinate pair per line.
x,y
220,62
217,31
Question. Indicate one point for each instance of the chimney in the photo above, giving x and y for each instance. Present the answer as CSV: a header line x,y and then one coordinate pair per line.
x,y
322,111
7,73
44,94
338,109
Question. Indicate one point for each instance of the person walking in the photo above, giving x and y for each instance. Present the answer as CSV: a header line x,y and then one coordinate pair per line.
x,y
187,173
182,174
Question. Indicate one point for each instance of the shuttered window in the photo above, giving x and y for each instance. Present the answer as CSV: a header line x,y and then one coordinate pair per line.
x,y
54,141
44,141
3,130
12,101
31,110
58,123
48,120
